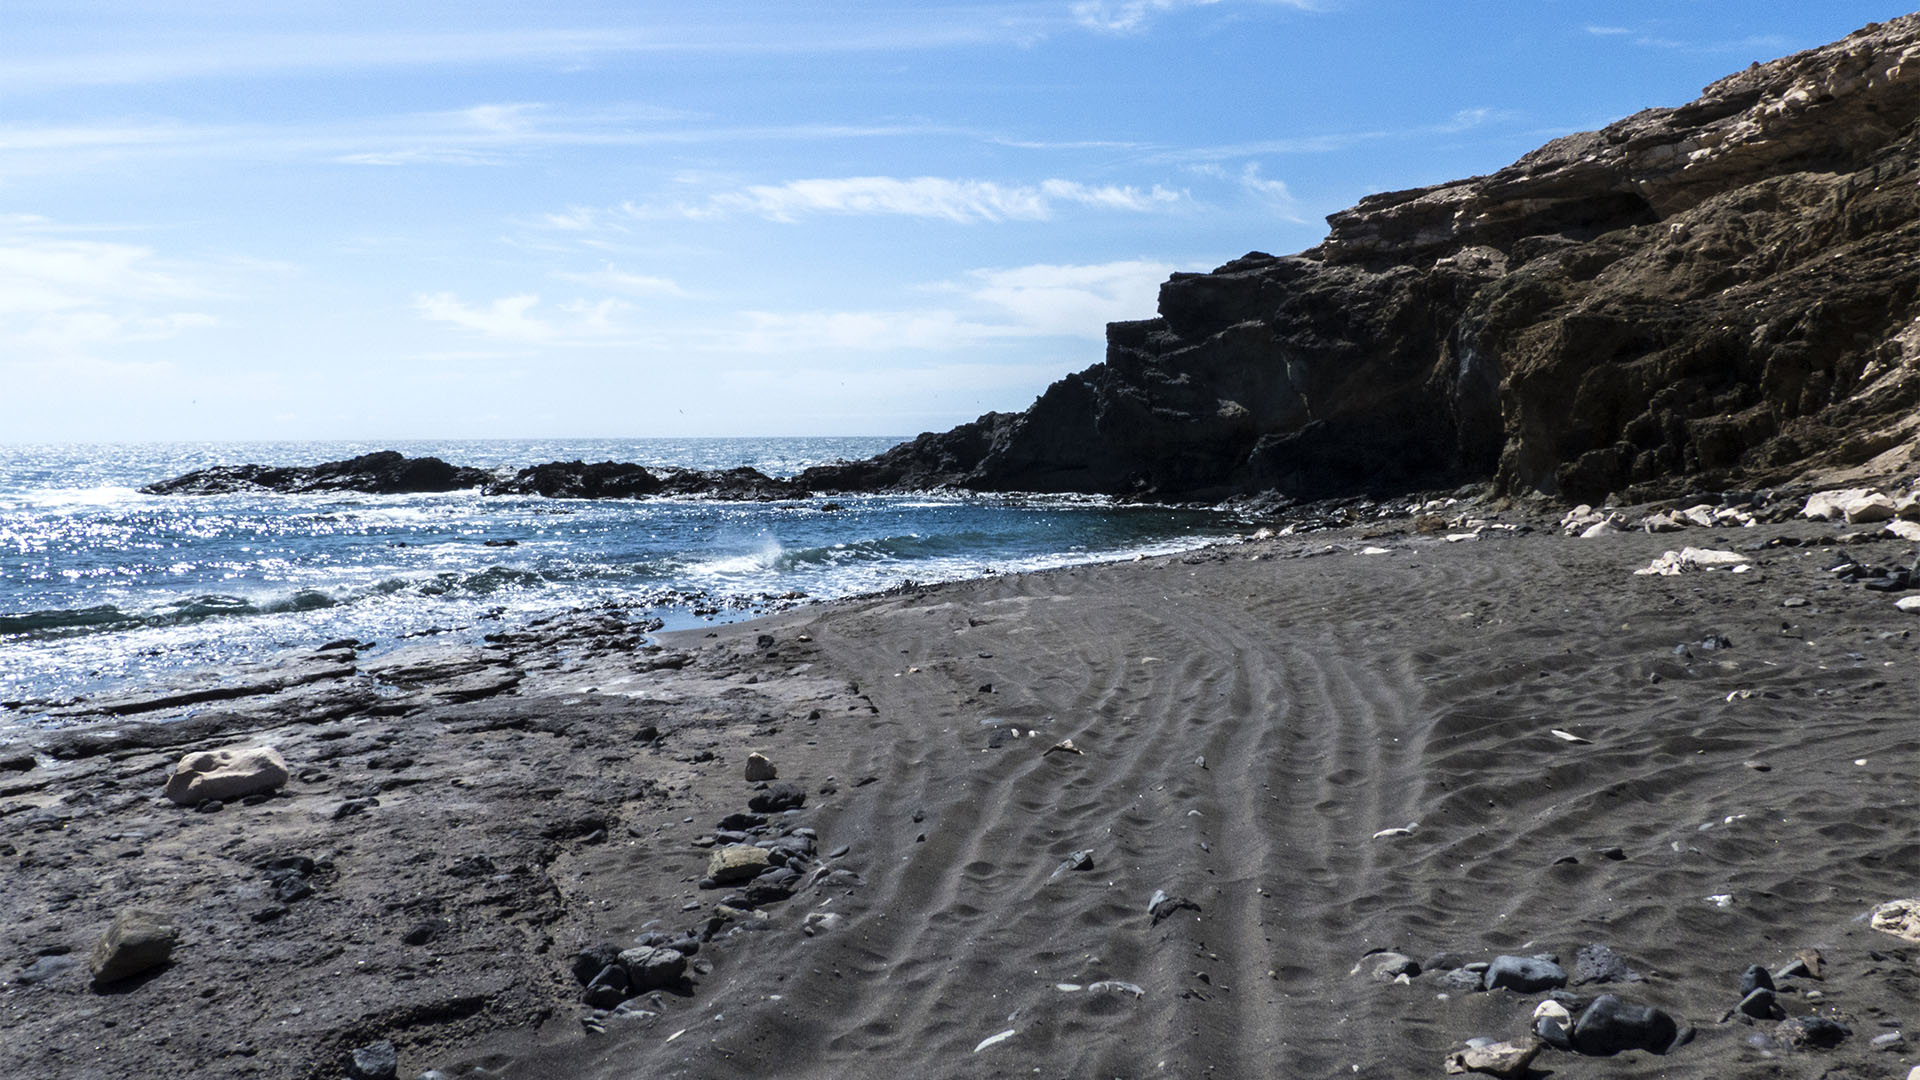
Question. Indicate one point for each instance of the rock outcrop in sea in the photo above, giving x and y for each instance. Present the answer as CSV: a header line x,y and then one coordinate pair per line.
x,y
1712,296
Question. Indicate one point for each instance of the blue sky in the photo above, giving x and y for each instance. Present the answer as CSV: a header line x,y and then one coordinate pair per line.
x,y
240,219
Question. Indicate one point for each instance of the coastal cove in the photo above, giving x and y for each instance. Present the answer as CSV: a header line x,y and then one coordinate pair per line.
x,y
1150,817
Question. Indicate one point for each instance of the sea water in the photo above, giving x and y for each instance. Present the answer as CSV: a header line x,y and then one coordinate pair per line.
x,y
103,589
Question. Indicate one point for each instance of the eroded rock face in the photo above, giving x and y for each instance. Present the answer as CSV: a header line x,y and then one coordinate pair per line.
x,y
384,473
1721,294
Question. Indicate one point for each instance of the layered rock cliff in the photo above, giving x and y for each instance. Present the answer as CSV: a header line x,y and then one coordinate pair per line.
x,y
1725,294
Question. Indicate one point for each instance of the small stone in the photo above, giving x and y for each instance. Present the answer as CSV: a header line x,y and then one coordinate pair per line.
x,y
228,773
1164,905
1524,974
1507,1059
760,768
651,968
1901,918
1819,1032
592,960
1386,966
736,863
1761,1004
1609,1026
1463,980
777,799
137,942
375,1061
1755,978
1552,1022
44,968
424,931
1077,861
821,922
1600,964
1891,1040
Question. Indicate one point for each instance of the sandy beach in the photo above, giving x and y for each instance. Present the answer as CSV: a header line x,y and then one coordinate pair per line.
x,y
1325,744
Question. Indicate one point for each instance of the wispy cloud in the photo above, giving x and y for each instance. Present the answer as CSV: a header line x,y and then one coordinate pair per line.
x,y
1272,194
609,279
61,295
514,319
1608,31
1128,16
942,198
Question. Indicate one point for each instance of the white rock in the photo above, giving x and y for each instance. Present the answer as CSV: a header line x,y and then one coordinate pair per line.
x,y
1901,918
1908,603
1603,528
1903,530
1688,560
1662,523
1908,507
1868,509
1701,515
1829,505
229,773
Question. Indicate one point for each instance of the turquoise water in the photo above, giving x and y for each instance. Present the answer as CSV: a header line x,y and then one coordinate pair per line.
x,y
102,587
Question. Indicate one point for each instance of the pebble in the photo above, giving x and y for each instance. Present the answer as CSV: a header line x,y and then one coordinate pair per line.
x,y
1816,1031
1609,1026
1761,1004
1524,974
375,1061
759,768
1497,1059
1552,1022
1892,1040
1079,860
778,798
651,968
1756,978
1165,906
1600,964
1386,966
137,942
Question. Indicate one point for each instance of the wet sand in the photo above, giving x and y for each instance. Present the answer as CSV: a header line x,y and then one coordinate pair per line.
x,y
1249,718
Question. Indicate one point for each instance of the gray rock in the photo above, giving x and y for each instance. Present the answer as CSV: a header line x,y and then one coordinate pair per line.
x,y
760,768
137,942
594,959
651,968
1164,906
1462,980
1610,1026
1077,861
1756,978
1600,964
1761,1004
1387,966
1819,1032
375,1061
1524,974
44,968
777,798
227,773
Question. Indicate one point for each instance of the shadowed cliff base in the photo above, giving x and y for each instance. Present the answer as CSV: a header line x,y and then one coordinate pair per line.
x,y
1713,296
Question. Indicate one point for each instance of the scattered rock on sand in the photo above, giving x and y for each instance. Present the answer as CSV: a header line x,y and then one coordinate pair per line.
x,y
759,768
138,941
778,798
1386,966
1689,560
1599,964
225,774
1901,918
1610,1026
1818,1032
736,863
1164,905
1762,1004
1552,1022
1524,974
651,968
1507,1059
375,1061
1077,861
1755,978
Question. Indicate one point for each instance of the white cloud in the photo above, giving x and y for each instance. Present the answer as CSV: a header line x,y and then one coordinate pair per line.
x,y
1271,193
61,296
1072,300
1608,31
1126,16
940,198
611,280
513,318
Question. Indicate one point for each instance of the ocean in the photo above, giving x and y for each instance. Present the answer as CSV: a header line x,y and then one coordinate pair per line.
x,y
103,589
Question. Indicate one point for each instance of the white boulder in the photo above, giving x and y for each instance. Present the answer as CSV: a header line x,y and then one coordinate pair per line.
x,y
233,772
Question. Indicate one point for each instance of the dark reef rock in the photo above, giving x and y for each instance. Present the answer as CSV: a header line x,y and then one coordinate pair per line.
x,y
1722,294
385,473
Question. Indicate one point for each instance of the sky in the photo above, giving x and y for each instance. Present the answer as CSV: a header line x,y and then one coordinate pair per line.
x,y
250,219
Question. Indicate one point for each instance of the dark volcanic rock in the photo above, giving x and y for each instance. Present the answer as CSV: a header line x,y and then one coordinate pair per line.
x,y
1610,1026
1720,294
385,473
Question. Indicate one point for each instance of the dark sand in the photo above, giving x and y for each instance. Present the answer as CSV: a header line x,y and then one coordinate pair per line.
x,y
1250,718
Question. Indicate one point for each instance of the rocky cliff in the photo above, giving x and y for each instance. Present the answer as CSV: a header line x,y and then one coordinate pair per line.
x,y
1717,295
